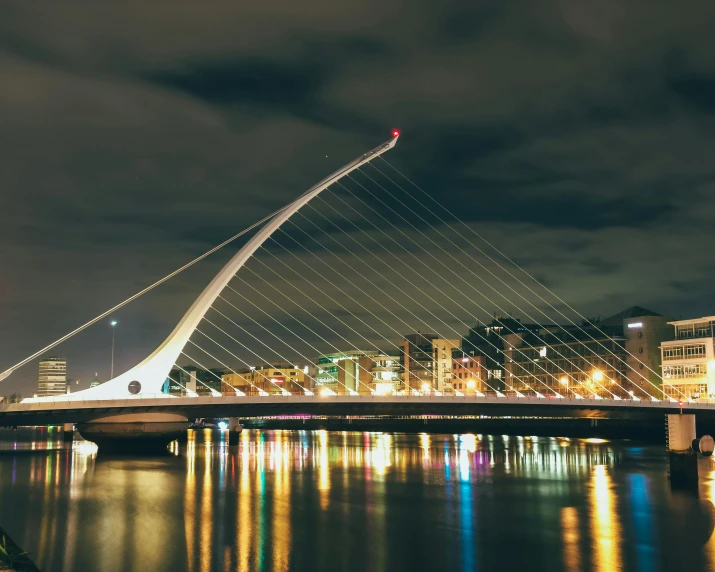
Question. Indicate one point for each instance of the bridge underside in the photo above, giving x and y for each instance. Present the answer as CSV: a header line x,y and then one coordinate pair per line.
x,y
247,407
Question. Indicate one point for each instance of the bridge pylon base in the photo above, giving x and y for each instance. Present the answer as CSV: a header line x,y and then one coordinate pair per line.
x,y
135,434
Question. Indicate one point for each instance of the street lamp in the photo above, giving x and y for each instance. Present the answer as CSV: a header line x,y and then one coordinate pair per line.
x,y
113,323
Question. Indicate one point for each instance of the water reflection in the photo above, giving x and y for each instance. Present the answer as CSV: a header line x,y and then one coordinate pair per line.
x,y
605,528
284,500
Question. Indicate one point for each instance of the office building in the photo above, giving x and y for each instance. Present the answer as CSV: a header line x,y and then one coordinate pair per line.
x,y
359,371
487,341
417,362
597,359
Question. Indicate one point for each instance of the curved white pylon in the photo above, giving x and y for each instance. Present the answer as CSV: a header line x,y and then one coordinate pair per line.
x,y
153,371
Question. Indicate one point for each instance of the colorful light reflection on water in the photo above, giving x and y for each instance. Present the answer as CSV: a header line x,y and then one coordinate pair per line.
x,y
297,500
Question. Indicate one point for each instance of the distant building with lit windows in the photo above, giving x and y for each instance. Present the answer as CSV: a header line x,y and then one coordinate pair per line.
x,y
689,360
417,357
442,350
469,374
487,341
271,379
191,379
617,356
359,371
52,378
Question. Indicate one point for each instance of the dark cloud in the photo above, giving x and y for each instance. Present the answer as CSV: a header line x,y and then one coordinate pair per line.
x,y
576,136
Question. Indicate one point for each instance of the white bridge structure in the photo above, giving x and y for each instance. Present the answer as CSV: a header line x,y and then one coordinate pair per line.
x,y
133,402
147,378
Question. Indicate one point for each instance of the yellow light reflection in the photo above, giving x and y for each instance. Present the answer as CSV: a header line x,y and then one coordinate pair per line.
x,y
605,527
190,500
206,545
245,497
571,537
424,443
323,470
281,507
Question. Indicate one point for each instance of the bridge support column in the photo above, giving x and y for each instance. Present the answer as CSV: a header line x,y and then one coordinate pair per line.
x,y
234,429
68,432
143,433
682,460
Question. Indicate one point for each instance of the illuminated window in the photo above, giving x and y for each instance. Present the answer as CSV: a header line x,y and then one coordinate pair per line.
x,y
695,351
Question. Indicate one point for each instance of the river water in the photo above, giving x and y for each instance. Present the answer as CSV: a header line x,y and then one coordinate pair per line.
x,y
301,500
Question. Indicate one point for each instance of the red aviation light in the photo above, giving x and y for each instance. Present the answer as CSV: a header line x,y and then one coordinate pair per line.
x,y
395,132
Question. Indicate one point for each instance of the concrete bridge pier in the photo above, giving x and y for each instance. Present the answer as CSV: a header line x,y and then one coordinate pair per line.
x,y
234,430
134,433
682,459
68,432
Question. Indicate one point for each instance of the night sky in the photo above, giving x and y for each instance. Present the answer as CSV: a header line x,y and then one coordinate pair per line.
x,y
578,136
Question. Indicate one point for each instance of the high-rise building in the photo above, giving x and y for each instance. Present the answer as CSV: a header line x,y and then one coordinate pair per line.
x,y
52,379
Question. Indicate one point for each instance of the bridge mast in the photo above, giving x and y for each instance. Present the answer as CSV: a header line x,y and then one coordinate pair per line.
x,y
148,377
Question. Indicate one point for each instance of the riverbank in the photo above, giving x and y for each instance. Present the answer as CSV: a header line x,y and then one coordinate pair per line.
x,y
12,557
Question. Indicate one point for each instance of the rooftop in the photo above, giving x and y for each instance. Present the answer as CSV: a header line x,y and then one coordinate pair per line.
x,y
693,321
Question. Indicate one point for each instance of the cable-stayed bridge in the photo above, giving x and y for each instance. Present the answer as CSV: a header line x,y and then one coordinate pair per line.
x,y
354,263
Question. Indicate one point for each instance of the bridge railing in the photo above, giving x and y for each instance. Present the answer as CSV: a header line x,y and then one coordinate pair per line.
x,y
66,402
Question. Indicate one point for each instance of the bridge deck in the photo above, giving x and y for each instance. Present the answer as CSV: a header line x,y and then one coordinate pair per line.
x,y
69,411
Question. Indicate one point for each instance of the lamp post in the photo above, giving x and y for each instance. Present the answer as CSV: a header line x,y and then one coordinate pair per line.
x,y
113,323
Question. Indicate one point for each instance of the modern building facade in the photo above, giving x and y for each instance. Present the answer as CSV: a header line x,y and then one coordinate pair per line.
x,y
689,360
487,341
417,362
52,379
359,371
607,358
